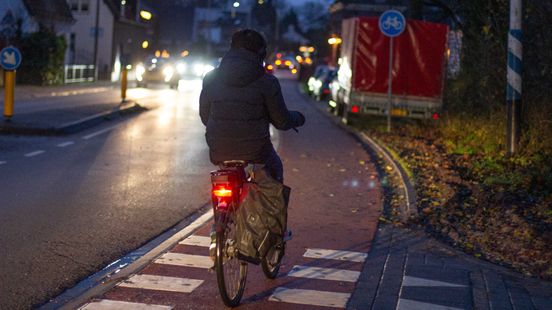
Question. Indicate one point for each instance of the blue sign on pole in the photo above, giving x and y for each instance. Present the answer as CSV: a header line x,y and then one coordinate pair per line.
x,y
392,23
10,58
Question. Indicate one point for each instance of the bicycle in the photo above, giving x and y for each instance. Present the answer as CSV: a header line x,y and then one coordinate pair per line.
x,y
231,268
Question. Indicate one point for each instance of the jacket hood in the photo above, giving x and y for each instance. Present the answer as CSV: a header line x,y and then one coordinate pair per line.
x,y
240,67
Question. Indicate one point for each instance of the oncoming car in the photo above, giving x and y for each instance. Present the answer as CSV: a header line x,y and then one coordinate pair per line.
x,y
156,70
194,68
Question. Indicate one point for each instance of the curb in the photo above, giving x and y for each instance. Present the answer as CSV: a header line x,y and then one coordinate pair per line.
x,y
408,210
121,110
108,277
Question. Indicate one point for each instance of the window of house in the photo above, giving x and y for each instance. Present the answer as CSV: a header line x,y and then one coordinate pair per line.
x,y
85,5
74,4
79,6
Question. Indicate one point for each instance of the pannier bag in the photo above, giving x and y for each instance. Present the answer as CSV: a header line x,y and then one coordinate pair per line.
x,y
261,219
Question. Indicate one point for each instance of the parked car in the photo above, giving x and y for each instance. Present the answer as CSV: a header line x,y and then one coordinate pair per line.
x,y
319,82
156,70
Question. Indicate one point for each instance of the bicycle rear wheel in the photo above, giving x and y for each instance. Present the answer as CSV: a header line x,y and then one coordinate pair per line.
x,y
231,272
272,261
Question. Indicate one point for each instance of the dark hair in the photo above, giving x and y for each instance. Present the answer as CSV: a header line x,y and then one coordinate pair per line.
x,y
250,40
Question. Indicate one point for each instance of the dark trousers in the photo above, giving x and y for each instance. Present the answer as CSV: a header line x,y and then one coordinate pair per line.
x,y
274,166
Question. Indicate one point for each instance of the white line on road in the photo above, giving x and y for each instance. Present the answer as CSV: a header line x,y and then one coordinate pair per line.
x,y
186,260
161,283
97,133
35,153
310,297
121,305
338,255
2,162
197,241
407,304
324,273
64,144
414,281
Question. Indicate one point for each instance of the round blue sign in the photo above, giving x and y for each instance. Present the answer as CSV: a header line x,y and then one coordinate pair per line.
x,y
10,58
392,23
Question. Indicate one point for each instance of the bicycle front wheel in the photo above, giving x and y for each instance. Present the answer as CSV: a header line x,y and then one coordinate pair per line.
x,y
231,272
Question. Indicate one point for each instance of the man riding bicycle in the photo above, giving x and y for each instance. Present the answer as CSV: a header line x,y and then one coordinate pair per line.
x,y
239,101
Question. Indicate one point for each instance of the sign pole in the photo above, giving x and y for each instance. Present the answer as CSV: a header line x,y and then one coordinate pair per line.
x,y
392,24
10,59
390,88
514,87
9,85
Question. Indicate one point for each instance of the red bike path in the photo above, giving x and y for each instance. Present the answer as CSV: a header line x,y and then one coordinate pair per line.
x,y
335,204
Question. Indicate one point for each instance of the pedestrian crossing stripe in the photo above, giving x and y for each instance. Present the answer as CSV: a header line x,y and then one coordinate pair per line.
x,y
324,273
337,255
414,281
161,283
201,241
185,260
121,305
310,297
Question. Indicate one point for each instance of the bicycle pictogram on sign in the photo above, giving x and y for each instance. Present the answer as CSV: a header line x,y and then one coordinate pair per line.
x,y
392,23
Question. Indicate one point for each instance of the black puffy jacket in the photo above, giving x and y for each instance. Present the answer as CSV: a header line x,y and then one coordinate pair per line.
x,y
237,104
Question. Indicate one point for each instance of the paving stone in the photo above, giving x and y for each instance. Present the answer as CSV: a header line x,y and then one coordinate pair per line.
x,y
456,276
496,290
457,297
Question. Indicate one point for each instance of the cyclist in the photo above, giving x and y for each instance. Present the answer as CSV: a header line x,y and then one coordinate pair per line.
x,y
239,101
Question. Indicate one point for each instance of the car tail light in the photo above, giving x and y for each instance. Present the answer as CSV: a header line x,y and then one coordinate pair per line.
x,y
435,116
326,91
222,191
355,109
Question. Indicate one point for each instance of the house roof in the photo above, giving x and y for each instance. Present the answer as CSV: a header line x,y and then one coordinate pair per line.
x,y
49,10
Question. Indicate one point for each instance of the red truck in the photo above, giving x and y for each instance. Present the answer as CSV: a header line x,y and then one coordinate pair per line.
x,y
418,69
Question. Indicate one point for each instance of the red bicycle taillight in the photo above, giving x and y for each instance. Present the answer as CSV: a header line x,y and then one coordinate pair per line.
x,y
222,191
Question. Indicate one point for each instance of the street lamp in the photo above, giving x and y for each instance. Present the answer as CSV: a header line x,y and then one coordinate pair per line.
x,y
236,4
146,15
334,41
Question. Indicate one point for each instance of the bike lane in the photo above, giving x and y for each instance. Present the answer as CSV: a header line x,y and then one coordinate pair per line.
x,y
335,205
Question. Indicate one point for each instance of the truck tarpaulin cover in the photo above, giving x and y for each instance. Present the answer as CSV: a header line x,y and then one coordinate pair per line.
x,y
419,58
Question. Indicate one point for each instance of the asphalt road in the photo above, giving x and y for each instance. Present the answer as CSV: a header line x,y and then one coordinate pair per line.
x,y
70,205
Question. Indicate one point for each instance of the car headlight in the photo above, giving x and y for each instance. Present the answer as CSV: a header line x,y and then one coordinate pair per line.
x,y
168,73
181,68
140,70
198,69
207,69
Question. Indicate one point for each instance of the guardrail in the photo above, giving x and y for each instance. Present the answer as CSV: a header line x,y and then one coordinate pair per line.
x,y
78,74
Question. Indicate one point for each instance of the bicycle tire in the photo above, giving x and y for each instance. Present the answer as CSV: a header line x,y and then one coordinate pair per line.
x,y
231,272
271,270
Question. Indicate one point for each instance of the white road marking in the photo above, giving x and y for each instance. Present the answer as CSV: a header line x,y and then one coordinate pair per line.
x,y
160,283
64,144
121,305
2,162
310,297
414,281
324,273
407,304
35,153
97,133
186,260
338,255
197,241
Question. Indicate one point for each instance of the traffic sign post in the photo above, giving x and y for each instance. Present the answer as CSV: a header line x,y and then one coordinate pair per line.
x,y
391,23
10,59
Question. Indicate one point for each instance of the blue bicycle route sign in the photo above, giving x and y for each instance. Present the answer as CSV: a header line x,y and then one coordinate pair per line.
x,y
10,58
392,23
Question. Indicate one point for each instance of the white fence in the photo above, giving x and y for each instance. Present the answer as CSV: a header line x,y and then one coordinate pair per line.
x,y
78,73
